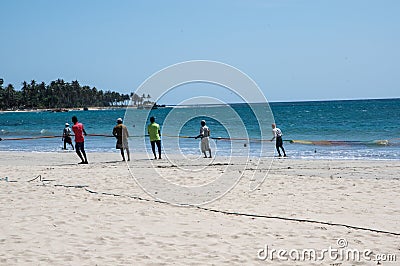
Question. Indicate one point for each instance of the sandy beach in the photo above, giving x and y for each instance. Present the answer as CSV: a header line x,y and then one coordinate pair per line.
x,y
55,212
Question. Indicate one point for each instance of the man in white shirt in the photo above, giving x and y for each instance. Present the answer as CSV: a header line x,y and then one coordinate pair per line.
x,y
279,142
66,137
204,135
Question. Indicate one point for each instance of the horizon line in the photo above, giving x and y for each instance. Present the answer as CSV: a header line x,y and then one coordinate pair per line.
x,y
284,101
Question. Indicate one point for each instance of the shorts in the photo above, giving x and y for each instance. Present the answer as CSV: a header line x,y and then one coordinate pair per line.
x,y
279,142
80,146
122,145
68,140
205,144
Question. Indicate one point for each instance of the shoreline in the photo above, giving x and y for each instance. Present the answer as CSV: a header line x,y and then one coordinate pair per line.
x,y
114,151
63,110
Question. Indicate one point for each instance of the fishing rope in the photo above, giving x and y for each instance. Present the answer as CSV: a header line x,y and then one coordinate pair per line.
x,y
232,213
50,137
392,141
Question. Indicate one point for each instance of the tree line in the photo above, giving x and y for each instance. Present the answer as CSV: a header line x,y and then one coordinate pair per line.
x,y
58,94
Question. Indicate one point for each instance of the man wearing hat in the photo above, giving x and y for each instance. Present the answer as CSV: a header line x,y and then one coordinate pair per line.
x,y
204,135
120,131
66,137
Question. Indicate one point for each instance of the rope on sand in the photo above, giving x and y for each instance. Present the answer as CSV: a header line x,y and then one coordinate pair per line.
x,y
248,214
251,215
299,220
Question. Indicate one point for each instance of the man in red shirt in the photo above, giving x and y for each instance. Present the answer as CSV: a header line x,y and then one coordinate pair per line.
x,y
79,131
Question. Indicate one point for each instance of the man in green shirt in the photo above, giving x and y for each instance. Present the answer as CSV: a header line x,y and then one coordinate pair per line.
x,y
154,131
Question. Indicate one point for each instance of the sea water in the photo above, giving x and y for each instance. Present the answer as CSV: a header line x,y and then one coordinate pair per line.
x,y
352,129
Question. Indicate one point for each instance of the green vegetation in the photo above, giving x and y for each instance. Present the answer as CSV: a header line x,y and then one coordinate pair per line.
x,y
58,94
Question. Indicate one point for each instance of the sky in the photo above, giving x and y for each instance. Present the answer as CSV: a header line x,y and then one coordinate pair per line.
x,y
294,50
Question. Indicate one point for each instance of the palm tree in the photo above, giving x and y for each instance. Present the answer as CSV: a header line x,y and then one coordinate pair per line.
x,y
33,94
41,91
25,92
135,99
9,96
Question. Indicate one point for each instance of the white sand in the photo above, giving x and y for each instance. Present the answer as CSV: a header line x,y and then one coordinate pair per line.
x,y
49,223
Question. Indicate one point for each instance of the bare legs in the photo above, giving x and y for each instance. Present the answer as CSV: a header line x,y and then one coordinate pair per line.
x,y
127,153
80,150
205,154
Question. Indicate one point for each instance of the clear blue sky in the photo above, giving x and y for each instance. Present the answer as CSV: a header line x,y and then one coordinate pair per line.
x,y
295,50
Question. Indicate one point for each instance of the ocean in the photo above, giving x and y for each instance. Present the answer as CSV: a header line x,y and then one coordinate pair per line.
x,y
350,129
